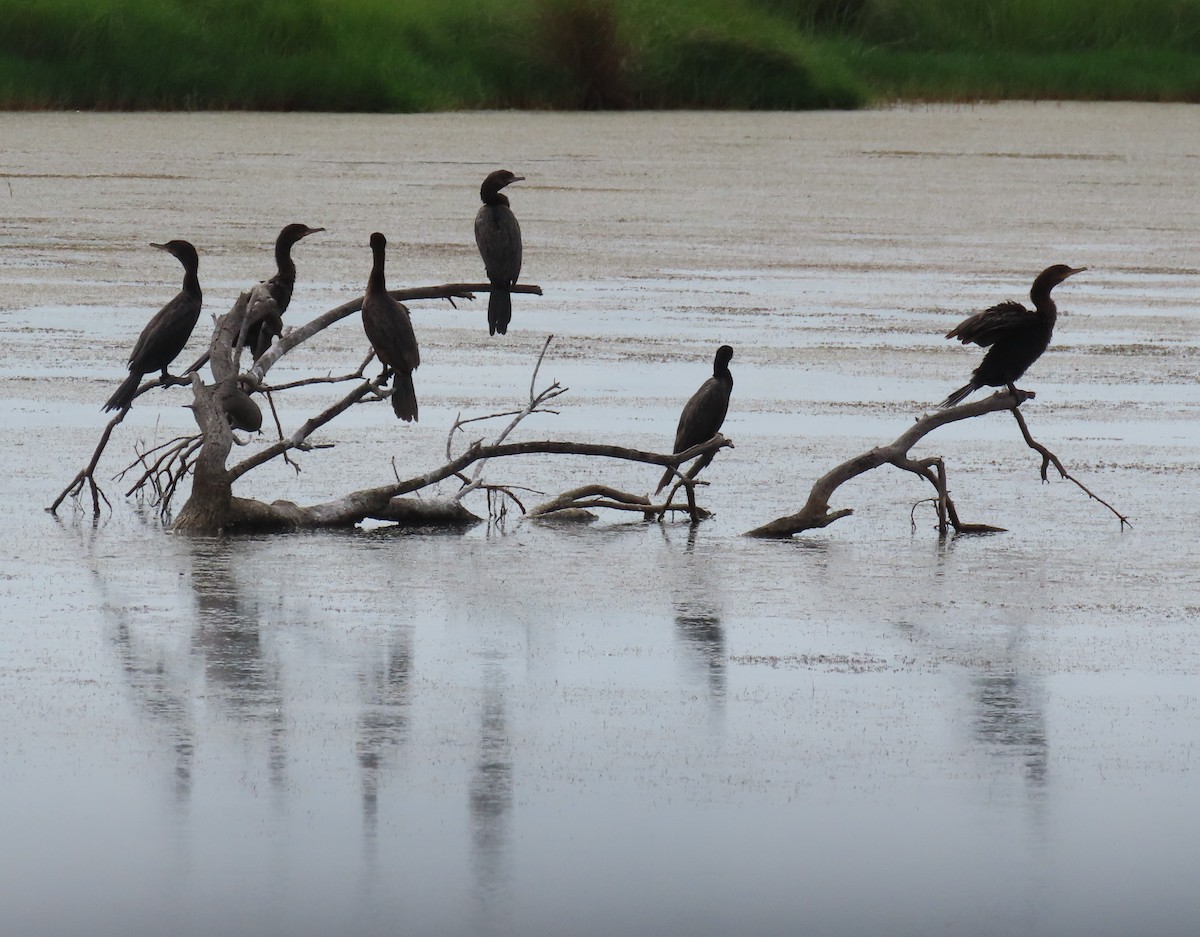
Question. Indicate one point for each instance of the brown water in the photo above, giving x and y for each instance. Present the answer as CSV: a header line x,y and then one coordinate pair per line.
x,y
626,728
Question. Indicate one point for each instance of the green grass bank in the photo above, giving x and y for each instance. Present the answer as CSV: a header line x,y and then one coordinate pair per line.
x,y
423,55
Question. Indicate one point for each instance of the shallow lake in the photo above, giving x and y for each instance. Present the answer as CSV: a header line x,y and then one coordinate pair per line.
x,y
621,728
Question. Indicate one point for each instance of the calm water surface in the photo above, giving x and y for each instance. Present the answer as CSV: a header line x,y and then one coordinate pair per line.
x,y
623,728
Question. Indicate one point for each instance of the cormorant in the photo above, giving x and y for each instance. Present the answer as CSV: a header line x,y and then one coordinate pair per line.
x,y
270,325
391,334
499,238
243,413
703,415
1016,336
165,335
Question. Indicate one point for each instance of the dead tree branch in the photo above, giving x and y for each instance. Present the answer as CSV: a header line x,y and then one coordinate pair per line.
x,y
536,399
1049,458
87,475
817,513
301,334
298,439
578,502
163,474
379,503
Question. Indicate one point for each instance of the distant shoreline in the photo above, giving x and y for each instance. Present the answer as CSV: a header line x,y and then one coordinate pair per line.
x,y
427,56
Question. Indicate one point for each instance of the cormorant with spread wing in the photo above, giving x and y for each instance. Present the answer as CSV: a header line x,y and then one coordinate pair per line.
x,y
1014,336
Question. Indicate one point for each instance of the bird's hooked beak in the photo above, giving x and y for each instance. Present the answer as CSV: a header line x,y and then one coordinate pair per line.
x,y
514,179
161,247
1072,271
312,231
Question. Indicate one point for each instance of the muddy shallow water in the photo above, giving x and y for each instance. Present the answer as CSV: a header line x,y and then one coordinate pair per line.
x,y
623,728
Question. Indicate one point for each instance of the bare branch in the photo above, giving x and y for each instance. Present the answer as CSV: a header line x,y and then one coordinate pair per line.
x,y
88,472
538,366
297,439
816,511
158,472
243,514
303,333
1049,457
585,497
536,400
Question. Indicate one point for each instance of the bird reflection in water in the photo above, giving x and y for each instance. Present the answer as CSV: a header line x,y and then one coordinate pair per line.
x,y
697,595
158,682
491,795
1010,718
383,725
161,692
227,640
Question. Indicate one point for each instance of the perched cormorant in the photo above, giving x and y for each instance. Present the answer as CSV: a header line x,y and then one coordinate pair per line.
x,y
260,335
391,334
1014,336
165,335
499,238
703,415
239,406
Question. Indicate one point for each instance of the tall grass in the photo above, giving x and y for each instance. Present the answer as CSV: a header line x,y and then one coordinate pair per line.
x,y
404,55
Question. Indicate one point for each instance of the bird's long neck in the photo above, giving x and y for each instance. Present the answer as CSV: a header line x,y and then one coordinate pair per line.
x,y
722,373
283,260
1042,302
376,282
191,280
493,197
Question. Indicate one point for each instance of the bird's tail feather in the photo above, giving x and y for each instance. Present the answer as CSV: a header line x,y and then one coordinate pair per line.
x,y
667,475
958,396
499,309
123,396
404,396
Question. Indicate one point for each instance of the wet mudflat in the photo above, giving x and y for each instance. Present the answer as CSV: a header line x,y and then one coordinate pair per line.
x,y
623,728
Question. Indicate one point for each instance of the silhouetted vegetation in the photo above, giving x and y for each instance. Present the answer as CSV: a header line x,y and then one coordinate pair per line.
x,y
590,54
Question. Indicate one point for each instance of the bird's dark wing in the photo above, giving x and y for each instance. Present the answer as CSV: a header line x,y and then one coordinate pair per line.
x,y
702,415
165,334
264,319
280,287
390,332
987,327
499,239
